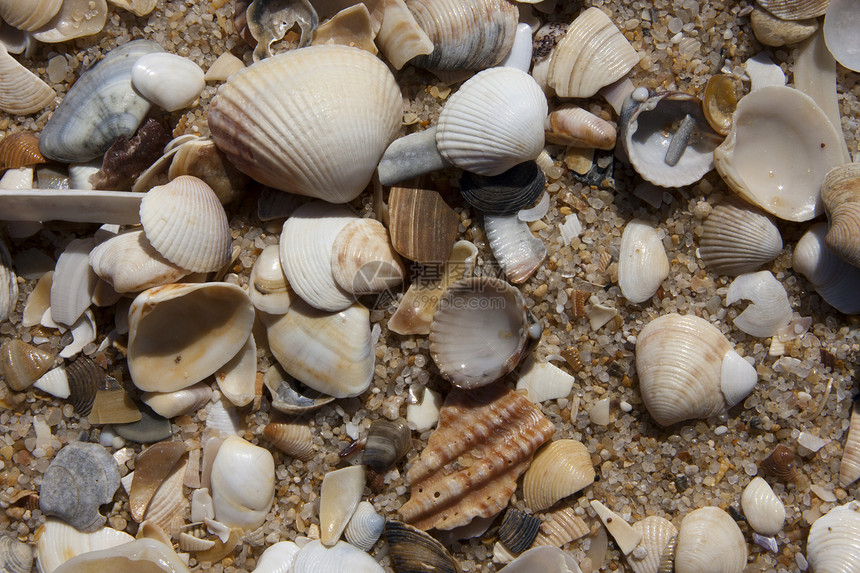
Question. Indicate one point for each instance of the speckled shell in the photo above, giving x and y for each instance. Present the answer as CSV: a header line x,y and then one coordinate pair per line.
x,y
292,438
762,508
466,34
560,469
840,193
833,540
243,483
657,534
642,264
20,149
485,439
738,238
795,9
21,91
493,122
363,260
835,280
130,264
28,15
710,542
849,469
313,121
515,248
364,527
22,363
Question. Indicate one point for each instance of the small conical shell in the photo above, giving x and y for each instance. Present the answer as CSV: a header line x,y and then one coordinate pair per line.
x,y
841,195
21,91
292,438
339,496
560,469
657,533
185,222
849,469
738,238
130,264
762,508
834,279
363,260
795,9
364,527
23,363
833,539
710,542
642,264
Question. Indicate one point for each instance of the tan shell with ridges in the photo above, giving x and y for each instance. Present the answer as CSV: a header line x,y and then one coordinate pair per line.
x,y
22,363
841,195
657,534
20,149
363,260
21,91
738,238
833,539
131,264
560,469
28,15
710,542
795,9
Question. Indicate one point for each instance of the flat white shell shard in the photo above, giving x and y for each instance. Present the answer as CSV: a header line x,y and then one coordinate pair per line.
x,y
236,379
179,334
643,264
21,91
763,72
54,382
762,508
849,468
184,401
684,372
83,332
493,122
834,279
542,381
364,527
339,496
315,557
277,558
516,249
547,559
57,542
710,542
307,240
268,286
591,38
833,540
657,534
185,222
38,301
738,238
130,264
74,282
769,310
840,32
243,483
778,152
313,121
153,72
424,414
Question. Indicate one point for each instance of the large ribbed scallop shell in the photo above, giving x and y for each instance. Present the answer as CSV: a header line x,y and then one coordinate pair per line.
x,y
834,279
493,122
560,469
23,363
738,238
363,260
643,264
593,53
762,508
28,15
687,369
364,527
849,469
466,34
313,121
833,540
485,439
657,533
130,264
20,149
294,438
710,541
185,222
795,9
841,195
516,249
21,91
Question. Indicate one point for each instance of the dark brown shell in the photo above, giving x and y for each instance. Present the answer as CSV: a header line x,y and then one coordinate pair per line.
x,y
19,150
423,227
85,378
387,442
415,551
128,157
518,530
779,464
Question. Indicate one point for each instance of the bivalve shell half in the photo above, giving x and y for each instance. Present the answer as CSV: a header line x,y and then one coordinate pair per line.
x,y
415,551
769,311
139,555
572,125
560,469
518,530
315,557
833,539
642,264
201,158
834,279
771,30
151,468
738,238
719,102
423,227
74,282
76,19
21,91
20,149
29,15
387,442
339,496
289,396
795,9
364,527
23,363
762,508
840,26
57,542
179,334
363,260
514,246
243,483
154,71
268,287
184,401
320,120
688,370
277,558
15,556
293,438
710,542
840,193
658,534
506,193
131,264
543,559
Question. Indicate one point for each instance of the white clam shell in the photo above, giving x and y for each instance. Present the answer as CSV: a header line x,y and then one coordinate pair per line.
x,y
237,378
28,15
363,260
243,483
184,401
179,334
277,558
21,91
364,527
778,152
657,534
130,264
153,72
57,542
738,238
320,120
185,222
687,369
643,264
268,286
770,310
762,508
339,496
493,122
74,282
68,24
833,540
516,249
834,279
710,542
342,558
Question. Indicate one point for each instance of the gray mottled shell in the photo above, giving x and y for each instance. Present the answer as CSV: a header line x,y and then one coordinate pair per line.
x,y
100,106
15,556
387,442
82,477
738,238
518,530
364,527
8,284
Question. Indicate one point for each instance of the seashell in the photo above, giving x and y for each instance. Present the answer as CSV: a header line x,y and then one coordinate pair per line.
x,y
480,331
329,352
773,31
15,556
243,483
8,284
339,496
154,71
833,538
560,469
466,35
657,535
225,543
410,157
127,158
363,260
269,22
769,311
364,527
68,23
29,15
738,238
720,102
642,264
136,7
493,122
237,378
485,440
840,193
520,56
168,507
179,334
292,438
268,287
572,125
516,249
784,180
112,405
400,38
688,370
560,526
542,381
504,194
23,364
849,469
21,91
423,227
841,41
201,505
835,280
710,542
223,67
536,212
625,536
762,508
202,159
138,555
20,149
415,551
357,90
73,282
590,37
184,401
668,140
57,542
277,558
341,558
763,72
286,395
387,442
81,477
779,464
151,468
423,414
98,108
85,377
130,263
518,530
543,559
351,26
795,9
54,382
192,544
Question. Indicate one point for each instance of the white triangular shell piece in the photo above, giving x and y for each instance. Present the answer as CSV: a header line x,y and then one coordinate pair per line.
x,y
762,508
515,247
339,496
363,260
83,332
54,382
657,533
837,281
833,540
38,301
236,379
737,378
708,537
21,91
543,381
643,264
342,558
130,264
738,238
624,534
769,310
243,483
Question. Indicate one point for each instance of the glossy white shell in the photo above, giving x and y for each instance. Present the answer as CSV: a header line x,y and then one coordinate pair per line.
x,y
548,559
834,279
339,496
237,378
833,540
243,483
738,238
342,558
57,542
76,19
643,264
153,72
184,401
710,542
657,533
130,264
277,558
74,282
762,508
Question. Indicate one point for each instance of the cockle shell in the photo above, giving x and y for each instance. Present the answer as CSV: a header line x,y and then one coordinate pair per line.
x,y
795,9
184,401
833,539
243,483
560,469
129,263
21,91
140,555
514,246
344,103
493,122
15,556
642,264
835,280
762,508
154,71
572,125
179,334
400,38
769,311
339,496
57,542
840,193
485,440
688,369
849,468
657,534
364,527
413,550
363,260
591,37
76,19
738,238
293,438
268,287
710,542
560,526
466,34
23,364
28,15
20,149
342,558
99,107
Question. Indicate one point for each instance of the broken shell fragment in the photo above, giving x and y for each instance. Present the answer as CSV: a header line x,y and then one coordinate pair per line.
x,y
400,38
288,397
658,534
835,280
352,26
514,246
762,508
738,238
269,22
719,103
518,530
769,310
413,550
268,287
543,559
423,227
710,541
560,469
184,401
237,378
57,542
21,91
129,263
339,496
387,442
22,363
243,483
773,31
833,539
364,527
76,19
139,555
151,468
642,264
201,158
840,193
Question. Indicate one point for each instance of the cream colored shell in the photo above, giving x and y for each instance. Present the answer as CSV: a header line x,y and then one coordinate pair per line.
x,y
130,263
21,91
28,15
658,534
643,264
833,540
243,483
710,542
849,468
339,496
835,280
763,509
560,469
841,195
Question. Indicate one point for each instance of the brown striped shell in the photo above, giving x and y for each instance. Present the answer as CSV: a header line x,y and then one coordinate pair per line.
x,y
20,149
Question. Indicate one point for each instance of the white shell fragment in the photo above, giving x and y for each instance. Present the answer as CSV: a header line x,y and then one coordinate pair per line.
x,y
834,279
710,542
268,286
144,554
546,559
277,558
8,284
74,282
833,540
625,536
76,19
243,483
543,381
57,542
770,310
221,69
184,401
763,72
841,24
762,508
153,73
236,379
339,496
515,247
643,264
849,468
424,414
